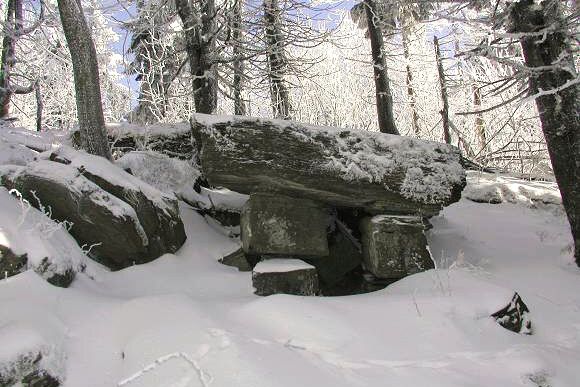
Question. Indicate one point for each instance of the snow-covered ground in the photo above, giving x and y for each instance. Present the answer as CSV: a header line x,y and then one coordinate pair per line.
x,y
185,320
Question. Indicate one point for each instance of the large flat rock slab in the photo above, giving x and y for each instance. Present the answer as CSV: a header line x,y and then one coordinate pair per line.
x,y
344,168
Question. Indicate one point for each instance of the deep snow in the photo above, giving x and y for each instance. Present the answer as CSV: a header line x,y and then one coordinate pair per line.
x,y
185,320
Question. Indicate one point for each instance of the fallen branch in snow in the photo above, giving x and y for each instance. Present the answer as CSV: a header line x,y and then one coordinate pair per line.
x,y
203,376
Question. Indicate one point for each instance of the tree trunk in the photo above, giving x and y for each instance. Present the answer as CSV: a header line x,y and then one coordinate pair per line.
x,y
277,61
237,36
199,30
410,88
86,76
383,91
145,46
39,106
8,47
445,110
558,105
479,122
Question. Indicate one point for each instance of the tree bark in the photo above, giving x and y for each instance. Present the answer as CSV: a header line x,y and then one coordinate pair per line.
x,y
410,88
550,59
199,31
8,47
383,90
479,122
237,36
145,45
86,76
445,110
277,61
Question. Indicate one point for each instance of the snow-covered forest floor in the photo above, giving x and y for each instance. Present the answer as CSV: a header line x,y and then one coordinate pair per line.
x,y
186,320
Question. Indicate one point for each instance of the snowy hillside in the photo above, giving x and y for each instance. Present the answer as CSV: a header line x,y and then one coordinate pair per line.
x,y
186,320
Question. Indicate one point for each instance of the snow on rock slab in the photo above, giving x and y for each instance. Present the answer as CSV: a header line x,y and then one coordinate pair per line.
x,y
173,140
345,168
159,170
37,141
121,220
285,276
15,154
181,177
500,188
29,239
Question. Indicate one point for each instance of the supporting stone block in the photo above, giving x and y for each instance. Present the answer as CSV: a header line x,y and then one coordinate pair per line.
x,y
395,246
285,276
280,225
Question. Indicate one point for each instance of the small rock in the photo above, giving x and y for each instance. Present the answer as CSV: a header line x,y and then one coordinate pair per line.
x,y
26,371
237,259
285,276
11,263
514,316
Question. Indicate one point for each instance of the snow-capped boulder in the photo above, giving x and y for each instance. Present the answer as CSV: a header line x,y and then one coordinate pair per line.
x,y
173,140
15,154
279,225
27,359
515,316
285,276
344,168
120,219
161,171
395,246
29,239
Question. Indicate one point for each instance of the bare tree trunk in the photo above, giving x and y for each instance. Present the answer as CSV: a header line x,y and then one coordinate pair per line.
x,y
199,29
479,122
410,88
558,105
276,60
445,110
93,133
8,47
145,37
237,36
39,106
383,90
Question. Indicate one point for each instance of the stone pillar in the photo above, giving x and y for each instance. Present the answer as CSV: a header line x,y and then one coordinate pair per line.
x,y
280,225
395,246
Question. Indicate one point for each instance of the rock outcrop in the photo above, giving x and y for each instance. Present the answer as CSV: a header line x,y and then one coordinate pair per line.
x,y
121,220
351,203
344,168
